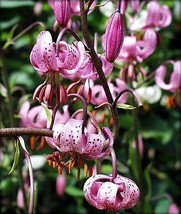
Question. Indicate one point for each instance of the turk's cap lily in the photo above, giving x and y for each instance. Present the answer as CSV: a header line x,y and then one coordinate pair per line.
x,y
104,193
69,138
89,71
98,95
155,16
133,50
34,117
43,56
114,35
175,77
62,12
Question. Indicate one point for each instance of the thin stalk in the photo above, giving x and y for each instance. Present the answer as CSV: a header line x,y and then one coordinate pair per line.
x,y
32,189
138,158
97,65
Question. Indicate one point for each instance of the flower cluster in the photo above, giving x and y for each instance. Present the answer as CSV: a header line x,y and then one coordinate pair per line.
x,y
77,142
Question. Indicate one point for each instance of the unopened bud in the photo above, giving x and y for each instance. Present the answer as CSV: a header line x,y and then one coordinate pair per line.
x,y
114,36
62,12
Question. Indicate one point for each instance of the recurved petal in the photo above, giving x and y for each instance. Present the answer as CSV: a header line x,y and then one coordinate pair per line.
x,y
147,46
71,137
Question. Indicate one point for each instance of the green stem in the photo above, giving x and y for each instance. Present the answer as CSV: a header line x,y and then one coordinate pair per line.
x,y
138,159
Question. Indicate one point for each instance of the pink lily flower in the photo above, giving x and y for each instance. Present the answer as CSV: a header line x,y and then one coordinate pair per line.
x,y
133,50
156,16
69,138
175,77
70,58
34,117
89,70
104,193
98,95
43,56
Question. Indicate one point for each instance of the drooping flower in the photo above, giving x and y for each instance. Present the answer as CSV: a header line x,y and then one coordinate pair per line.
x,y
43,55
70,138
76,145
112,43
138,50
175,77
34,117
98,95
155,16
104,193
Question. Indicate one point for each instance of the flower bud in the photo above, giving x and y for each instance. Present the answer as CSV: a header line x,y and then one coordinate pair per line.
x,y
114,36
62,12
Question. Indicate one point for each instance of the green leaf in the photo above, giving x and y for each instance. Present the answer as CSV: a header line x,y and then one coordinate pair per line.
x,y
48,113
74,191
13,4
22,142
16,157
157,128
6,24
162,206
125,106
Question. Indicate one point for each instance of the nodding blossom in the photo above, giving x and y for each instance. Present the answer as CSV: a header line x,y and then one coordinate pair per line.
x,y
155,16
98,95
43,55
104,192
34,117
175,77
69,138
138,50
76,145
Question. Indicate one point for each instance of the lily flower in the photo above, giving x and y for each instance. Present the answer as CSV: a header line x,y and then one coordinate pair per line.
x,y
43,56
175,77
102,192
133,50
155,16
34,117
73,142
98,95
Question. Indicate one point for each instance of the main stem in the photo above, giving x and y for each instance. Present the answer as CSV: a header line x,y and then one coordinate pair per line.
x,y
13,132
97,64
